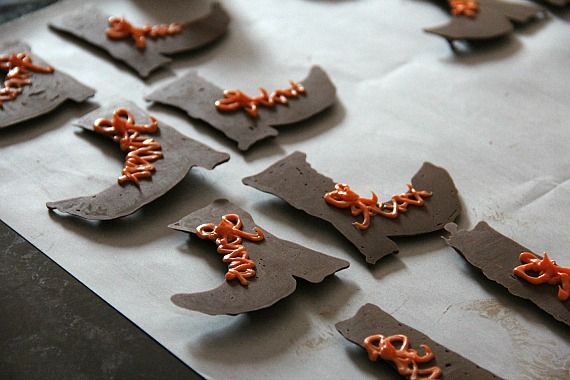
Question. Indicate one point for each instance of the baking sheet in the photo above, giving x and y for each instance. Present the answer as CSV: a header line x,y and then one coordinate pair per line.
x,y
496,119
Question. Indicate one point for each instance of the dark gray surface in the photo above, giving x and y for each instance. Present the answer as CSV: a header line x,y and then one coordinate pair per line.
x,y
11,9
53,327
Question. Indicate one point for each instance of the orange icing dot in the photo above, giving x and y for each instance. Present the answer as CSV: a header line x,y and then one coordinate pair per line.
x,y
229,236
142,150
344,197
405,359
234,99
467,8
19,68
120,28
547,272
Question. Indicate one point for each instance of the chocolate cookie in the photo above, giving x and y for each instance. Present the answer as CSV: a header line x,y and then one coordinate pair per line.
x,y
371,320
43,91
181,154
496,256
278,264
197,97
91,24
493,19
297,183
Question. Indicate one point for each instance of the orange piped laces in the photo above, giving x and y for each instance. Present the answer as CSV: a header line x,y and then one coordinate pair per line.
x,y
120,28
545,271
19,68
235,99
404,358
344,197
467,8
142,150
229,236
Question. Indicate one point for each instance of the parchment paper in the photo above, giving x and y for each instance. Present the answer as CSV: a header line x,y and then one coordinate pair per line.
x,y
496,119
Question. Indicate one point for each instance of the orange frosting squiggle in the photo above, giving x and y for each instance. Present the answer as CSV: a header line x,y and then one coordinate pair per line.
x,y
235,99
547,272
19,68
468,8
120,28
405,359
142,150
344,197
229,236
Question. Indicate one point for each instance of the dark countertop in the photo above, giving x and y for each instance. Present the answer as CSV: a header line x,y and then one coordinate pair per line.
x,y
11,9
53,327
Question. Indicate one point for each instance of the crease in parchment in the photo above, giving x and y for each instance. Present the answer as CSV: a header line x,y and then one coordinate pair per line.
x,y
536,191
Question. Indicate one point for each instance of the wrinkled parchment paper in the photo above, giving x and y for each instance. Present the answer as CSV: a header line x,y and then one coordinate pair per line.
x,y
497,119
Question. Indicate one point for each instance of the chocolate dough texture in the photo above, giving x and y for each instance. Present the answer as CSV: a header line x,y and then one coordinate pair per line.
x,y
371,320
494,19
278,264
297,183
90,24
496,256
197,97
44,94
181,154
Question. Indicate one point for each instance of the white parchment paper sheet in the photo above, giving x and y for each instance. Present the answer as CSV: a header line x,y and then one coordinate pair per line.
x,y
497,119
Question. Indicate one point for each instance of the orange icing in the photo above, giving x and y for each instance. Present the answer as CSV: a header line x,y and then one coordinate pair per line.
x,y
142,150
344,197
229,236
19,68
234,99
467,8
120,28
547,272
404,358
